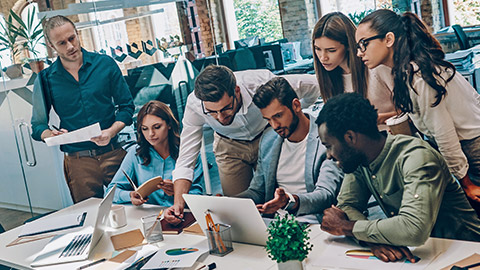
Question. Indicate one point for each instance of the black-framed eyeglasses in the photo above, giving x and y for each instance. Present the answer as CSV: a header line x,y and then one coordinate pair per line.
x,y
226,110
363,43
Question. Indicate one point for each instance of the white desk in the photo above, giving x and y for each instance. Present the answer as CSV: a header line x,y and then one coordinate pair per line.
x,y
243,257
20,256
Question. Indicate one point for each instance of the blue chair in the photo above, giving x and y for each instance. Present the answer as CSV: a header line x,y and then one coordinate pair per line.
x,y
461,37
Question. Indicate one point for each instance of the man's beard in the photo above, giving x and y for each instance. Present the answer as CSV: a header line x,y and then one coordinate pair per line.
x,y
290,129
352,159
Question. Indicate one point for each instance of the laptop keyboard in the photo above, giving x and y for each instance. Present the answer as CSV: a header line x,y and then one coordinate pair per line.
x,y
77,246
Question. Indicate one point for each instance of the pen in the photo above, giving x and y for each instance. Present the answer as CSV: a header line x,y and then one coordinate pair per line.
x,y
140,262
91,264
182,219
56,128
209,267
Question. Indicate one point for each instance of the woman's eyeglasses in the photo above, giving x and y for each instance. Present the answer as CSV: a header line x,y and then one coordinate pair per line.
x,y
363,43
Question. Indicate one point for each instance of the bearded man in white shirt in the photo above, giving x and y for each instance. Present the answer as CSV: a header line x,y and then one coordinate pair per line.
x,y
223,100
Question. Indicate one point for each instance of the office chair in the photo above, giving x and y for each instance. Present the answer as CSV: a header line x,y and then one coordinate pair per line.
x,y
243,60
461,37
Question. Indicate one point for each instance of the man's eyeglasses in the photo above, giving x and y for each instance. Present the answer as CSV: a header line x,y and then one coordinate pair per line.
x,y
363,43
226,110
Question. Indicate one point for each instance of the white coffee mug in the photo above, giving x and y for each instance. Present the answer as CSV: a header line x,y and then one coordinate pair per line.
x,y
118,218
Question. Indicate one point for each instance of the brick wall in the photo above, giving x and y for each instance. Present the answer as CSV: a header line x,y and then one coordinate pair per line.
x,y
139,29
6,5
437,17
218,25
426,9
298,20
205,28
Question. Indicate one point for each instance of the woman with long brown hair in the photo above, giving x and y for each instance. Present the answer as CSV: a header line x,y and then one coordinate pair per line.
x,y
155,155
339,70
440,102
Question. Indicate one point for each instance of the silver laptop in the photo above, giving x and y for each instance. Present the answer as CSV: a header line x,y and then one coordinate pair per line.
x,y
76,246
247,224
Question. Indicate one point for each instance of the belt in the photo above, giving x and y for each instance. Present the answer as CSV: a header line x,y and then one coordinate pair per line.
x,y
93,152
239,140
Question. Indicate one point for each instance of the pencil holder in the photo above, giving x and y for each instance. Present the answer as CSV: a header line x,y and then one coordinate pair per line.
x,y
220,242
152,229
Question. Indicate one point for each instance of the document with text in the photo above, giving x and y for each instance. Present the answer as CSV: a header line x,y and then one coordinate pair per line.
x,y
79,135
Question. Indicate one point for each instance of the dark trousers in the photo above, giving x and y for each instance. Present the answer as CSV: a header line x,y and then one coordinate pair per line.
x,y
86,176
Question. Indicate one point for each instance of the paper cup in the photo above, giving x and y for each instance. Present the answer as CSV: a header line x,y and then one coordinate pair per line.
x,y
399,124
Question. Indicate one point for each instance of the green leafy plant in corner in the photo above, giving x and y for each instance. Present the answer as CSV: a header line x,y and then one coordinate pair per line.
x,y
356,17
32,33
8,38
287,239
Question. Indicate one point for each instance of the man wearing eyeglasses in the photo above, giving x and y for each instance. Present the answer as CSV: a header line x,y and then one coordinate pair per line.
x,y
223,100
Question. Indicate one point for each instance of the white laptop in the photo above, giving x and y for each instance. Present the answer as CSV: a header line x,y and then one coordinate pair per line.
x,y
76,246
247,224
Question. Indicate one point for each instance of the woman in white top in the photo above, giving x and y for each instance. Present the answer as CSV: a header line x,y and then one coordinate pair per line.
x,y
440,102
339,70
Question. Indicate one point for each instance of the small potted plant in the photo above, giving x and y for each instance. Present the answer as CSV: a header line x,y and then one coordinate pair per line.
x,y
288,243
32,34
8,39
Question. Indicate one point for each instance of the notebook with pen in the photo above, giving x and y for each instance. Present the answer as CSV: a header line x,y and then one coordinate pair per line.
x,y
168,228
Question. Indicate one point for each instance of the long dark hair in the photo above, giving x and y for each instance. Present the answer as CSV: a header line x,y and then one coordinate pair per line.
x,y
161,110
336,26
414,43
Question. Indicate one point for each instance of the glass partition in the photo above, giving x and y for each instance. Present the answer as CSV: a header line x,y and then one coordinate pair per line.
x,y
14,194
146,40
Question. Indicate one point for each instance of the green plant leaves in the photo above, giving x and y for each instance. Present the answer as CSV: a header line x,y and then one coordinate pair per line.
x,y
31,33
287,239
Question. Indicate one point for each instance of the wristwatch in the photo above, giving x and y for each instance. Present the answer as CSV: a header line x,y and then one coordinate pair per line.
x,y
291,202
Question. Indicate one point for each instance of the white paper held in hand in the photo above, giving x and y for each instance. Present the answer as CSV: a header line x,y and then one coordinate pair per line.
x,y
79,135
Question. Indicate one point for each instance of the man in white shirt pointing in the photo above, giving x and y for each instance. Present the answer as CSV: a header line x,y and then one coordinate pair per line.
x,y
223,100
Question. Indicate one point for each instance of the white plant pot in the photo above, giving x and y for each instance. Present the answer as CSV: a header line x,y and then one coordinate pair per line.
x,y
292,265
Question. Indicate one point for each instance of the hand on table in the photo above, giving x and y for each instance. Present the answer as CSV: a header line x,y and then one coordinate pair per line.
x,y
388,253
172,213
